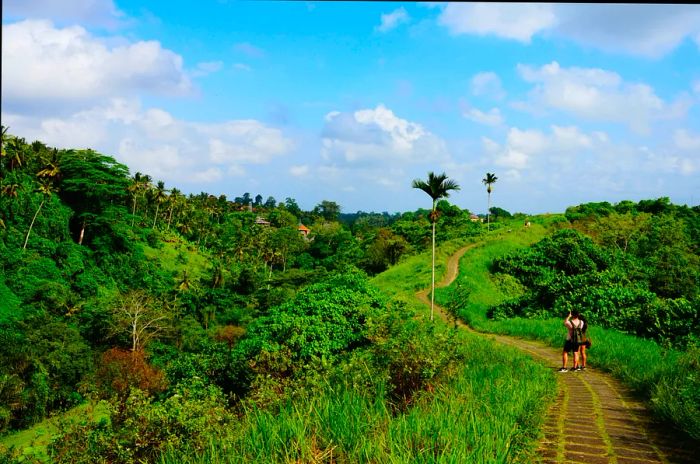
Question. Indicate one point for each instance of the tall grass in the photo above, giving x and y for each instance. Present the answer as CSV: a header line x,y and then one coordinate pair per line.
x,y
488,411
667,379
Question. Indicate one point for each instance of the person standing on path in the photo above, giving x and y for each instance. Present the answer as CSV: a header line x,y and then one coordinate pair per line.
x,y
570,346
586,343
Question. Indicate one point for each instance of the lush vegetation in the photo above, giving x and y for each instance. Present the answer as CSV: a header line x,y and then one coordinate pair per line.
x,y
140,324
606,261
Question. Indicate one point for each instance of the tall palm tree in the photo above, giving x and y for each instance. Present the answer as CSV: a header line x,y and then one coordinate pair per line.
x,y
134,188
159,197
145,185
488,181
437,186
46,189
174,200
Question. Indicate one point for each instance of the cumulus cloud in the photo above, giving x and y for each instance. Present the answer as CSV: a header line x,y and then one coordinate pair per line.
x,y
154,141
522,146
487,84
594,94
101,13
392,20
516,21
642,30
491,118
372,136
45,66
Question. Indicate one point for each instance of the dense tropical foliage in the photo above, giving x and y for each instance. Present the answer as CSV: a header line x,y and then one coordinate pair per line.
x,y
632,267
117,288
181,327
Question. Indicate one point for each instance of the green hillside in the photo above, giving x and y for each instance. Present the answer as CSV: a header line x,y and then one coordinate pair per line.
x,y
210,329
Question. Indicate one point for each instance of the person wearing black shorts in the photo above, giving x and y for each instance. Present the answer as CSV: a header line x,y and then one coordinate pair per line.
x,y
571,321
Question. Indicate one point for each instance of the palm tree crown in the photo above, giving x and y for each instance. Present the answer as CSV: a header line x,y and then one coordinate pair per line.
x,y
489,180
437,186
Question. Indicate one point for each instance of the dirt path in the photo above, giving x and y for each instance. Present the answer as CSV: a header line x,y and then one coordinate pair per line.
x,y
594,418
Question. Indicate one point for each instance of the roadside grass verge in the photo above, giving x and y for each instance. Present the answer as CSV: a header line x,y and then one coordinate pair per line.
x,y
668,380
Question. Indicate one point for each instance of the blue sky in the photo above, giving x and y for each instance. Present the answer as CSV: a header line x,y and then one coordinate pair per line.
x,y
351,101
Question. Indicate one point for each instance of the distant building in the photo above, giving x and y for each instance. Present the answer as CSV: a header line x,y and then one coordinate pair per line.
x,y
262,221
474,218
303,230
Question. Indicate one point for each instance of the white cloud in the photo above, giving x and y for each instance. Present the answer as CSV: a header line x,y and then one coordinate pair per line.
x,y
242,67
571,138
517,21
669,163
487,84
512,158
594,94
249,50
87,12
491,118
205,68
643,30
685,140
372,136
489,145
696,87
208,176
521,147
154,141
45,66
299,171
392,20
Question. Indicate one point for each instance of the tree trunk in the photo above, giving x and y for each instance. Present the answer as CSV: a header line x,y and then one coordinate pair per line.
x,y
432,293
133,213
82,233
488,213
156,217
26,239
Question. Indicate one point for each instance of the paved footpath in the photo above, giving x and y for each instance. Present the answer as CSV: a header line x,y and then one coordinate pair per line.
x,y
594,419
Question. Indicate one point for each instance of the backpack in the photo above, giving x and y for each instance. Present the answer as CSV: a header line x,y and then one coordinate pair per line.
x,y
577,335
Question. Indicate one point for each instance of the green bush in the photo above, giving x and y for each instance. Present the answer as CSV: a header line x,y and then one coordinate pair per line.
x,y
191,417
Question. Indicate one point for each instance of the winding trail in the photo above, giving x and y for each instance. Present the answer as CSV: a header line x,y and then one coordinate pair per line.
x,y
594,419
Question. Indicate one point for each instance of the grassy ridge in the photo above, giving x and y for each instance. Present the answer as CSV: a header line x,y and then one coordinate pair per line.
x,y
667,379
